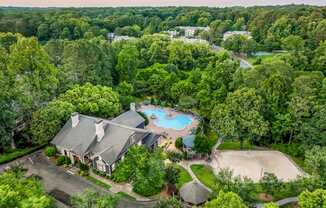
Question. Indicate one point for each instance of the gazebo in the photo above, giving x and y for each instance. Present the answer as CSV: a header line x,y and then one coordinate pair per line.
x,y
194,193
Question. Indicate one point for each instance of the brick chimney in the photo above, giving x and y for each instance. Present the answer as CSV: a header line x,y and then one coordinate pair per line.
x,y
132,106
99,130
74,119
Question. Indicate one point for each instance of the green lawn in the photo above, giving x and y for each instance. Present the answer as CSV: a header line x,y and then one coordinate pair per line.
x,y
235,145
98,182
264,59
204,174
184,176
17,153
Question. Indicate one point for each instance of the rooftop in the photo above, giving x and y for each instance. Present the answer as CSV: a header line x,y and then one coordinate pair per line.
x,y
194,193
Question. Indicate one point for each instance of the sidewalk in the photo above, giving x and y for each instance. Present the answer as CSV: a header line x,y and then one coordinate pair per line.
x,y
116,187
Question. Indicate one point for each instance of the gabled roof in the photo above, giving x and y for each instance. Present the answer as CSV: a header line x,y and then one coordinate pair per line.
x,y
115,139
130,118
79,138
82,138
194,193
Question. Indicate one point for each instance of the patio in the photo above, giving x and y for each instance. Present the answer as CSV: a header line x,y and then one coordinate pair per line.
x,y
170,134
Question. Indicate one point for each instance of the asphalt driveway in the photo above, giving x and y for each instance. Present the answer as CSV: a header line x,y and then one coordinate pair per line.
x,y
54,177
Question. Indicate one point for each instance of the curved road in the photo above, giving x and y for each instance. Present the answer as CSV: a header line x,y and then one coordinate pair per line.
x,y
281,202
243,63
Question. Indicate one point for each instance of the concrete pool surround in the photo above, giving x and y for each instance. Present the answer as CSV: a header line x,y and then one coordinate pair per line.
x,y
188,122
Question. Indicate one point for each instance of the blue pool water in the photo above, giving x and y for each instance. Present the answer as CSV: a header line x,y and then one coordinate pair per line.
x,y
162,120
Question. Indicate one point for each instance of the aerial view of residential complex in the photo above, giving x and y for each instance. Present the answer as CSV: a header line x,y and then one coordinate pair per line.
x,y
164,106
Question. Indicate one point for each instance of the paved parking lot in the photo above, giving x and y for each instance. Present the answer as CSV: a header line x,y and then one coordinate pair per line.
x,y
54,177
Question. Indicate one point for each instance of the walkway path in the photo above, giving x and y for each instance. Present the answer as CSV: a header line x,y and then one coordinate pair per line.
x,y
281,202
187,166
212,163
116,188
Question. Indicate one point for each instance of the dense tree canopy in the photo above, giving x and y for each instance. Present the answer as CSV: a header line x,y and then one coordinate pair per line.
x,y
313,199
14,193
92,199
87,99
57,61
226,200
240,116
145,170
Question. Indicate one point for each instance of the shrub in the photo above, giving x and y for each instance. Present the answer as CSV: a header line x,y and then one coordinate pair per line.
x,y
145,117
101,173
50,151
83,173
83,167
175,156
172,174
67,161
178,143
63,160
203,144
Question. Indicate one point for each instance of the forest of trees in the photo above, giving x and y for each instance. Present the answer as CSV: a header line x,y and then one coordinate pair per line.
x,y
57,61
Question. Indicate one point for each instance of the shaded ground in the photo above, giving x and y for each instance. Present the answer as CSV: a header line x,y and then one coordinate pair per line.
x,y
253,164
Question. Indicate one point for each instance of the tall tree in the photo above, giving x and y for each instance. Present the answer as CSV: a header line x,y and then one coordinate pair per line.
x,y
127,62
93,100
226,200
14,192
91,199
32,72
313,199
7,101
240,116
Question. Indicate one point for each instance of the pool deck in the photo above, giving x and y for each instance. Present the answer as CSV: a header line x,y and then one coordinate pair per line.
x,y
170,134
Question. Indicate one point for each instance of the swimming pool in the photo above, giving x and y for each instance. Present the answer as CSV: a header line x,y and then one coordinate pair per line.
x,y
162,119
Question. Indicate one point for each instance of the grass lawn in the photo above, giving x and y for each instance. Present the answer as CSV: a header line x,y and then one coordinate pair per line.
x,y
204,174
184,176
17,153
235,145
98,182
125,195
264,59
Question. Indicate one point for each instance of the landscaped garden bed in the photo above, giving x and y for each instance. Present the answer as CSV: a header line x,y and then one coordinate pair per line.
x,y
17,153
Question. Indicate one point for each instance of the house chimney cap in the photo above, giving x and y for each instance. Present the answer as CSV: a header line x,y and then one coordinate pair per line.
x,y
99,121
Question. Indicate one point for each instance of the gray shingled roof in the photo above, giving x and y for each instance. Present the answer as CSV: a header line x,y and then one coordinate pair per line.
x,y
194,193
113,142
78,138
82,139
150,139
129,118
